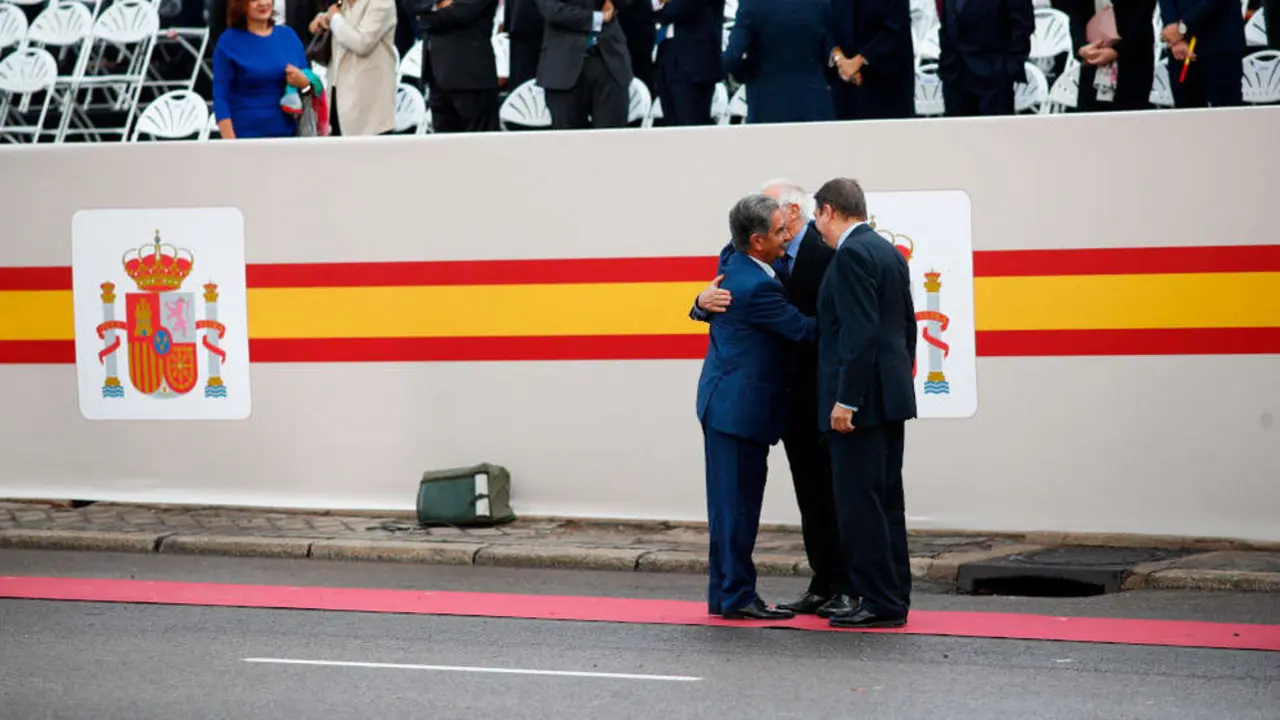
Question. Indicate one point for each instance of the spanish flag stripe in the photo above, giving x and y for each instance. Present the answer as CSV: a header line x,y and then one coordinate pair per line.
x,y
987,263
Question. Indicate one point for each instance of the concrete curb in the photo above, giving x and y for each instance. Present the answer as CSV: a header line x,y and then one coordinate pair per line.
x,y
84,540
1205,579
236,546
563,557
427,553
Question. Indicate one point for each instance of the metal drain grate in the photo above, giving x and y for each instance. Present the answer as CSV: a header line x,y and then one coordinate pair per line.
x,y
1058,572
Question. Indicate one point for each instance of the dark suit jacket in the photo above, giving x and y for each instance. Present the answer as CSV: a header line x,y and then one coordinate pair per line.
x,y
781,49
694,47
459,40
867,333
521,18
564,43
879,30
743,387
812,259
985,42
1217,24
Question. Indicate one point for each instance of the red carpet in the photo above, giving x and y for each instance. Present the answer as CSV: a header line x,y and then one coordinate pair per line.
x,y
1172,633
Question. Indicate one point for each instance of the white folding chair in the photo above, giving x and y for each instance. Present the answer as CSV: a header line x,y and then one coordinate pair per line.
x,y
1030,96
929,101
1260,82
176,115
737,110
411,109
730,11
1051,38
1065,91
13,26
502,55
641,102
23,74
525,108
127,28
1161,90
63,29
720,104
1255,30
211,131
924,35
411,63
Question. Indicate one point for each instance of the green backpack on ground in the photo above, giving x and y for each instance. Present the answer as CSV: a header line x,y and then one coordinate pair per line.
x,y
479,495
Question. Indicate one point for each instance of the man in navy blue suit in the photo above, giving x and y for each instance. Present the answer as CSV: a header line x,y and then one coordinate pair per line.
x,y
874,59
984,49
742,402
689,37
1213,80
780,49
866,393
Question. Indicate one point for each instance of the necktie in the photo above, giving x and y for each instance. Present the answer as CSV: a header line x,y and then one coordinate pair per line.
x,y
783,267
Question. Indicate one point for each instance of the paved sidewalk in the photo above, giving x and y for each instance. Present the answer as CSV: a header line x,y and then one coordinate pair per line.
x,y
558,543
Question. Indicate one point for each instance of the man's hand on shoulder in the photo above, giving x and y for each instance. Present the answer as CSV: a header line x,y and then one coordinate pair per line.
x,y
714,299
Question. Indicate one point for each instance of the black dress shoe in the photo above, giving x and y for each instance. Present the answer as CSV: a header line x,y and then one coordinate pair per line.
x,y
838,605
863,618
758,611
806,605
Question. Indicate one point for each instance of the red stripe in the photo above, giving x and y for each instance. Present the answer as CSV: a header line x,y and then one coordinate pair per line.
x,y
483,272
448,349
35,278
989,263
1180,341
1171,633
1126,261
1000,343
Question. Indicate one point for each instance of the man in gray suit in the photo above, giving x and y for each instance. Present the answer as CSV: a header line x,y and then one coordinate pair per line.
x,y
585,68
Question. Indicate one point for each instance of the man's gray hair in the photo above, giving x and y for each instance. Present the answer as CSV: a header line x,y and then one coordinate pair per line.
x,y
845,196
751,215
791,193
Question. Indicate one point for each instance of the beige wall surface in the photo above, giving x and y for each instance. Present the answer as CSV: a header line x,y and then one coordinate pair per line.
x,y
1144,444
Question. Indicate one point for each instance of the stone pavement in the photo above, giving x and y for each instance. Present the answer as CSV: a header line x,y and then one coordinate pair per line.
x,y
560,543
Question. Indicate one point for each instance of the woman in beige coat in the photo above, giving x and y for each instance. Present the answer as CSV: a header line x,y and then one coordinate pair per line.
x,y
362,76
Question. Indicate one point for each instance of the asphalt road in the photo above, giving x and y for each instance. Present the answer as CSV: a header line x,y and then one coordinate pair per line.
x,y
91,660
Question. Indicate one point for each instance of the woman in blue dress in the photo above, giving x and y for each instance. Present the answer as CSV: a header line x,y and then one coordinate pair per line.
x,y
254,61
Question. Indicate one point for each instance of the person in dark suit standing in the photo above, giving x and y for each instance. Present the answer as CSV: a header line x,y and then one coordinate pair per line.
x,y
781,49
689,39
1213,80
801,269
741,402
866,393
462,72
640,29
585,67
984,49
523,25
873,74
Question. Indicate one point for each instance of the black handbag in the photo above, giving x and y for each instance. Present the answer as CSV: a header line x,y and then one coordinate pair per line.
x,y
320,50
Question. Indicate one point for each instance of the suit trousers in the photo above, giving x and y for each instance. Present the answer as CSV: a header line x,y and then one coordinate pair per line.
x,y
525,51
866,471
595,100
1212,81
736,471
810,461
464,110
683,102
963,99
879,97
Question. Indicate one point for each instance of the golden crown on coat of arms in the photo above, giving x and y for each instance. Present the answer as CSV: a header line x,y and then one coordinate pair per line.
x,y
158,267
905,245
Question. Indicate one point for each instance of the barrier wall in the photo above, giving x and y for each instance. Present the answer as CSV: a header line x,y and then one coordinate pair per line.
x,y
528,292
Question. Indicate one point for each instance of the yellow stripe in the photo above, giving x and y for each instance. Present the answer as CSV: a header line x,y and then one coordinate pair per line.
x,y
1097,302
1002,303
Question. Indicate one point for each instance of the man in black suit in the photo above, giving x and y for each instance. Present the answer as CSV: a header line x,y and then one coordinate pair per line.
x,y
640,29
689,39
873,77
984,49
866,393
1213,80
523,25
463,84
585,68
801,270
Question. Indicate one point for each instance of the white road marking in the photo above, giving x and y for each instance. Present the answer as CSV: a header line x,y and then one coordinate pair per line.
x,y
459,668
